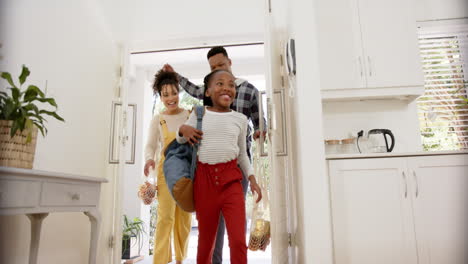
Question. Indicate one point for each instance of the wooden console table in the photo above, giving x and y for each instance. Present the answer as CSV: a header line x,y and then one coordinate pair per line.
x,y
38,193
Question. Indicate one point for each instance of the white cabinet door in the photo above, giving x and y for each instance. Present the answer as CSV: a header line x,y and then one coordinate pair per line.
x,y
371,211
340,49
440,198
390,43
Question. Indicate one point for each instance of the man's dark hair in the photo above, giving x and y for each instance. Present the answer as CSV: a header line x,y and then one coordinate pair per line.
x,y
216,50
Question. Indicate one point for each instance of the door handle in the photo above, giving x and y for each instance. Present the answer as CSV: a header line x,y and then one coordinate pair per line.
x,y
284,151
417,184
261,124
406,184
123,138
360,65
370,65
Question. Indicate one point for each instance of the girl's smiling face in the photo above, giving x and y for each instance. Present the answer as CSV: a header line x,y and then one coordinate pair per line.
x,y
170,97
222,89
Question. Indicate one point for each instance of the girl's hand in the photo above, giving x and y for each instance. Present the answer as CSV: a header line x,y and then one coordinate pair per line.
x,y
192,134
149,163
255,188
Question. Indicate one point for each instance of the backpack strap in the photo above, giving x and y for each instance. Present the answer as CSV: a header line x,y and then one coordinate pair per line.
x,y
200,111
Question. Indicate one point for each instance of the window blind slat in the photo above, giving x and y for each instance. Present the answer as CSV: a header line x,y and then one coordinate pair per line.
x,y
436,85
444,65
439,51
442,61
446,85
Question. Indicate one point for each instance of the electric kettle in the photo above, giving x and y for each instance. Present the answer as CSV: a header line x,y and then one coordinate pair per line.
x,y
375,141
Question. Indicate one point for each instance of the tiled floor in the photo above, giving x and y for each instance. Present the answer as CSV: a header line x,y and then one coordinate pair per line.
x,y
254,257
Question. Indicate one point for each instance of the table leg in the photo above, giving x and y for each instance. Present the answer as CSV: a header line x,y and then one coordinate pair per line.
x,y
95,219
36,223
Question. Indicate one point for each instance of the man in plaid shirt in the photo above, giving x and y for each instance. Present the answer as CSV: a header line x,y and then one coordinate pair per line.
x,y
246,102
247,95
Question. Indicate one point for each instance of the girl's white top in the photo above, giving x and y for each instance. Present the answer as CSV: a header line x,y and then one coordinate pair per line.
x,y
155,135
223,138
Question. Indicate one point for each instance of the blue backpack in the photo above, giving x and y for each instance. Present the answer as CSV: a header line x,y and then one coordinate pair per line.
x,y
179,168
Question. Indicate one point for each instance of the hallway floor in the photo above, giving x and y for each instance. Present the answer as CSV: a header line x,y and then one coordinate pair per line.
x,y
254,257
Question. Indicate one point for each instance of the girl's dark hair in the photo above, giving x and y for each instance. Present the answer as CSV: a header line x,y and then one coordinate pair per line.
x,y
162,78
206,81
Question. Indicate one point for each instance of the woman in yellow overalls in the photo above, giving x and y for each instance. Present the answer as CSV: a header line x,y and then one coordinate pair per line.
x,y
171,218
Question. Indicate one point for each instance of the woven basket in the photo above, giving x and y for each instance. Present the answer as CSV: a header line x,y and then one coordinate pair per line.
x,y
14,152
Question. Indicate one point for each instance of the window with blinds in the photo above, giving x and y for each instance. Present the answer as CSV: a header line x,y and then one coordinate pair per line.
x,y
443,109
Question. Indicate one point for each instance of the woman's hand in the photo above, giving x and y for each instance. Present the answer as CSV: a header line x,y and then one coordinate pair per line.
x,y
255,188
190,133
149,163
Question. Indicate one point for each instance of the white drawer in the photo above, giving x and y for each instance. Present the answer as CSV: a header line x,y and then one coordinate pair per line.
x,y
62,194
18,193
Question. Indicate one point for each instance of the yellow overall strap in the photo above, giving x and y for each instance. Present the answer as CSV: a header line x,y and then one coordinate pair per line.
x,y
162,121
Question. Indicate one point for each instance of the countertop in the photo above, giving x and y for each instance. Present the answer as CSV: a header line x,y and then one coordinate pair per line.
x,y
393,154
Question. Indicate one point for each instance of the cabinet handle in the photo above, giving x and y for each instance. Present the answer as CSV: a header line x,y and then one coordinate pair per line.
x,y
76,196
370,65
417,184
406,184
360,66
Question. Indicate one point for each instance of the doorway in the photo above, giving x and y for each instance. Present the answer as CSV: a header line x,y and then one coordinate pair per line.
x,y
247,63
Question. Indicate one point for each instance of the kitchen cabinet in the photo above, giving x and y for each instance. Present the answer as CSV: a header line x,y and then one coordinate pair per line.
x,y
440,202
410,209
370,212
340,47
367,45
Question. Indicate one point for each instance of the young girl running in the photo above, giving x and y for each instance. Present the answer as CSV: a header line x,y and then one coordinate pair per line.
x,y
162,132
217,186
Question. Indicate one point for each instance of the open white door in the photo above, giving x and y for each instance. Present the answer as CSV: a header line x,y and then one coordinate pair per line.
x,y
283,213
121,150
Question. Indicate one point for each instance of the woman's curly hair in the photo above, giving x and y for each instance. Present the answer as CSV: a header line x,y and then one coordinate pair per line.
x,y
162,78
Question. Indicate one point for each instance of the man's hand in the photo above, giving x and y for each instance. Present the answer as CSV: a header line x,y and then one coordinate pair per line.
x,y
168,68
255,188
149,163
257,134
192,134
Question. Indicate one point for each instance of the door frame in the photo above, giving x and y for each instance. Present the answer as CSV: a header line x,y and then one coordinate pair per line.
x,y
126,77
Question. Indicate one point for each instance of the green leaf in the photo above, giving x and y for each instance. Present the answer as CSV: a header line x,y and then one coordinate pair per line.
x,y
15,93
7,76
14,128
28,124
32,107
51,114
51,101
40,127
24,74
8,108
32,92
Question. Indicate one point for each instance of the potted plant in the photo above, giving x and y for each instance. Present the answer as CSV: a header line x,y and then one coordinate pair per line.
x,y
132,232
20,119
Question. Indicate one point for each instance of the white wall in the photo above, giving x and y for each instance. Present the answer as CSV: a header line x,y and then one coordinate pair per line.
x,y
156,24
441,9
67,44
344,119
